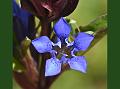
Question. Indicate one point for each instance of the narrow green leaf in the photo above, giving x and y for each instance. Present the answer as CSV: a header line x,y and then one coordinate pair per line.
x,y
97,24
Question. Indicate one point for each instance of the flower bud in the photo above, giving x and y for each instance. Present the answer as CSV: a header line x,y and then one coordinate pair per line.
x,y
50,9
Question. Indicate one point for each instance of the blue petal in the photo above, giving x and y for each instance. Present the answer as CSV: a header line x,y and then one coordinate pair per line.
x,y
16,9
63,59
83,40
53,53
21,14
78,63
42,44
53,67
62,29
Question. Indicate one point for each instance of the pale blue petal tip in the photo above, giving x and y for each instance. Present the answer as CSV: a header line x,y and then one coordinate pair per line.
x,y
78,63
83,40
53,67
62,28
42,44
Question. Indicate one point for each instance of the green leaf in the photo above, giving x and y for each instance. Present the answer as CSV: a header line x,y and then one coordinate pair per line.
x,y
97,24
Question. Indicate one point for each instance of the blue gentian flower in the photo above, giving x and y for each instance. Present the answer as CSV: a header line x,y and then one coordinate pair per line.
x,y
66,50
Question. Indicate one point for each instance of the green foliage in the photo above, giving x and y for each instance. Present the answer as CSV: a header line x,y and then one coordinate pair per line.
x,y
97,24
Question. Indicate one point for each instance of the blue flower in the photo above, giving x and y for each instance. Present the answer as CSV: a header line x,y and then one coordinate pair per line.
x,y
63,51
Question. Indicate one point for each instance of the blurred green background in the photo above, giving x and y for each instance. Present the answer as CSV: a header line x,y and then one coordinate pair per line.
x,y
96,76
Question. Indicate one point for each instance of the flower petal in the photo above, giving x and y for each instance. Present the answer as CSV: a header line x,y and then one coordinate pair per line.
x,y
83,40
42,44
63,59
53,67
53,53
78,63
21,14
62,29
16,8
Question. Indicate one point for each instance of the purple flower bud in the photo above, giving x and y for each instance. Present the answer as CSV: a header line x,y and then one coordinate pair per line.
x,y
70,7
50,9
